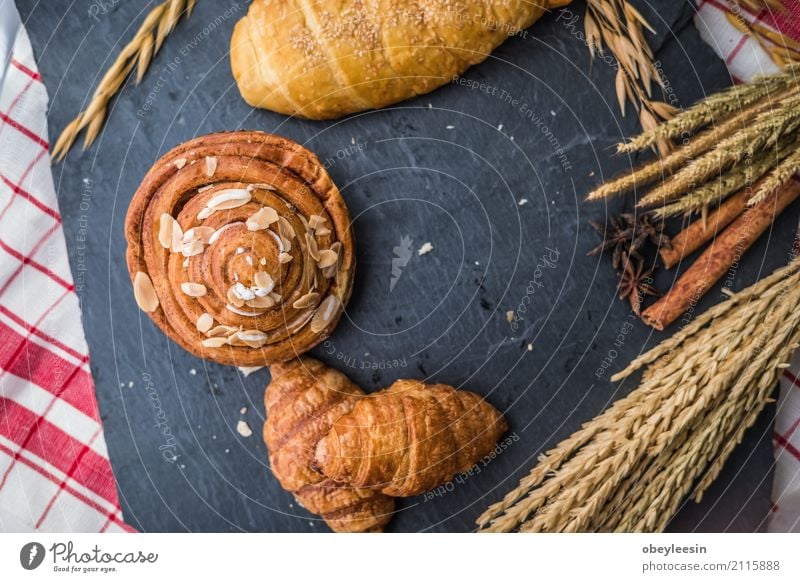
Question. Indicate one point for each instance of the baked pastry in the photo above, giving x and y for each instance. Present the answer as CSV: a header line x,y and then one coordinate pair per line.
x,y
328,58
303,400
240,248
409,438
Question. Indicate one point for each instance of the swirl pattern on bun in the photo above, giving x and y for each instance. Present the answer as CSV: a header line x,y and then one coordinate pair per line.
x,y
240,248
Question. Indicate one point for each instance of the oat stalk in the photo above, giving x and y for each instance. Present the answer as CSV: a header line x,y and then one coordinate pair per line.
x,y
137,54
617,25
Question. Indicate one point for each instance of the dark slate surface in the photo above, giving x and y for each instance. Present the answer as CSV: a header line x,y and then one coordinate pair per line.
x,y
437,169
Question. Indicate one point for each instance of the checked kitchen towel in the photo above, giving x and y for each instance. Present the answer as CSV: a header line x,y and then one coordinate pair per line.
x,y
54,469
746,58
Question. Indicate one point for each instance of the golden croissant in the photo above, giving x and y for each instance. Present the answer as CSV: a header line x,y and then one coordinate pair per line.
x,y
303,400
326,58
409,438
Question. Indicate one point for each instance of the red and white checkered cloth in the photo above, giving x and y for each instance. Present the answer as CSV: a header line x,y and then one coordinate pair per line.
x,y
746,58
54,469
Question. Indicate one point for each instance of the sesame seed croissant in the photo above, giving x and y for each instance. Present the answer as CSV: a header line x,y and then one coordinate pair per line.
x,y
303,400
322,59
409,438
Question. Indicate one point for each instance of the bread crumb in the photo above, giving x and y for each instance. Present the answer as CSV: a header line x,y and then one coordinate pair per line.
x,y
522,201
425,249
530,347
244,429
243,410
247,370
510,315
193,372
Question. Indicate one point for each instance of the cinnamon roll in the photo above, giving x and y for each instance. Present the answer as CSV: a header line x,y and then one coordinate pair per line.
x,y
240,248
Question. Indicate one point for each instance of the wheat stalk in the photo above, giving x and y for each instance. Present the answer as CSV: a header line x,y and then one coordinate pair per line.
x,y
712,109
739,177
137,54
632,467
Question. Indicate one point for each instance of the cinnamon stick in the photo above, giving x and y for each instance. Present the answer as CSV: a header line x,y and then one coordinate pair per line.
x,y
719,257
700,232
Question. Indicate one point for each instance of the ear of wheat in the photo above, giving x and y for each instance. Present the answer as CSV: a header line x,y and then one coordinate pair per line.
x,y
736,137
630,468
137,54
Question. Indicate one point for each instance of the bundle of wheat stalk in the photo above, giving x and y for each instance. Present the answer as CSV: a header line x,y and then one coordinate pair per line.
x,y
731,139
631,468
137,54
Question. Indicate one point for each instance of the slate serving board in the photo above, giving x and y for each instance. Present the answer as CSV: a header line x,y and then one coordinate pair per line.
x,y
537,121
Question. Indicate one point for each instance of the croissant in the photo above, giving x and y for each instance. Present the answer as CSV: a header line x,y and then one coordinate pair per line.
x,y
240,248
328,58
409,438
303,400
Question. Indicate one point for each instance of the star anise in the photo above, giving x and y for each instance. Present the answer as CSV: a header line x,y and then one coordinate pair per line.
x,y
634,282
628,234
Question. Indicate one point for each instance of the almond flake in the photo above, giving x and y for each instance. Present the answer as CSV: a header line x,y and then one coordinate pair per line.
x,y
165,226
260,302
252,335
276,297
252,187
180,163
262,218
205,213
177,238
286,245
234,298
262,261
325,313
205,188
284,258
285,229
312,247
193,289
144,292
323,231
211,165
237,311
327,258
185,262
306,300
204,322
198,233
193,248
214,342
221,330
243,292
263,280
315,221
229,198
